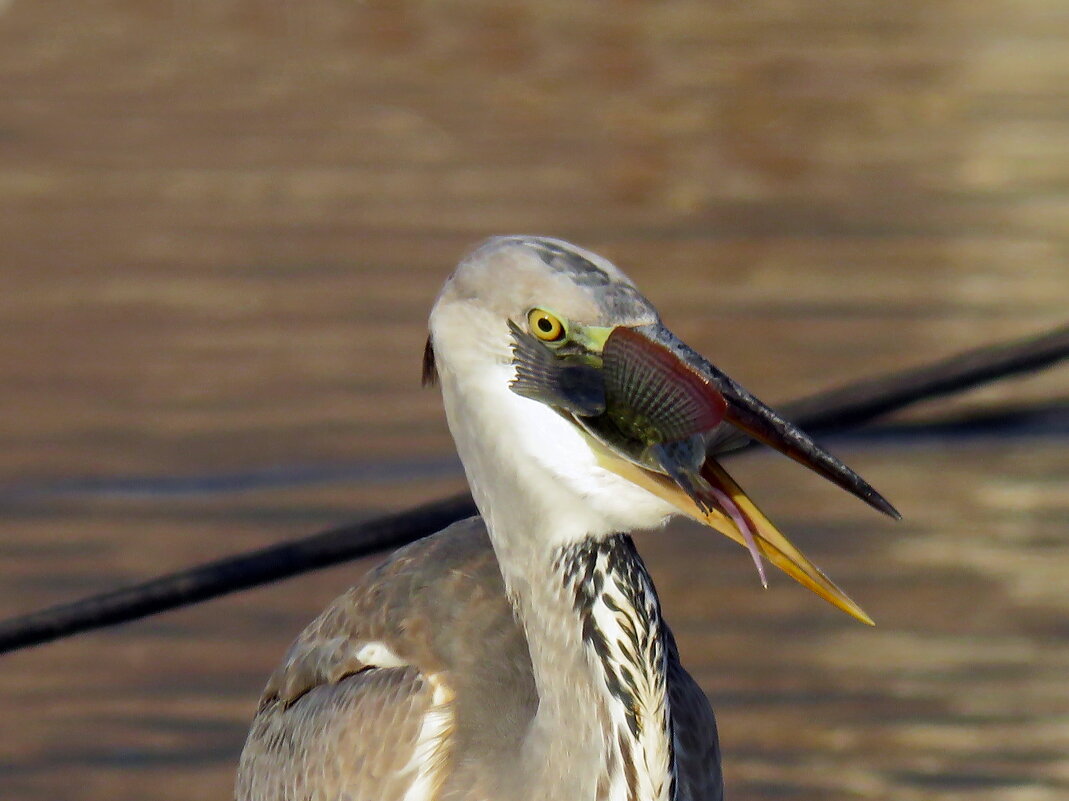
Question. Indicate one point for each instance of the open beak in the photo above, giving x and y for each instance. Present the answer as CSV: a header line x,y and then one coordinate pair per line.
x,y
703,490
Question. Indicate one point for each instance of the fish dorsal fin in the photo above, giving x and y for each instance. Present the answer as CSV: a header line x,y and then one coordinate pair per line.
x,y
668,400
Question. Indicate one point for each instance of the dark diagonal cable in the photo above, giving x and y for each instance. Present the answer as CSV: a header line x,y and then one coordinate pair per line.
x,y
233,573
859,402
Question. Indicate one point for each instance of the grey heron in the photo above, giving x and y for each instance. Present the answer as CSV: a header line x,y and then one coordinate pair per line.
x,y
522,654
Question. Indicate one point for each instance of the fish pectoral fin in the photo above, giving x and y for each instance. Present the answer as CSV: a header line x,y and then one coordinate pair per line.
x,y
542,376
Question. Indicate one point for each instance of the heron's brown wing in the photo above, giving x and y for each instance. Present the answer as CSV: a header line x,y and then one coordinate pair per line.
x,y
355,739
418,673
357,709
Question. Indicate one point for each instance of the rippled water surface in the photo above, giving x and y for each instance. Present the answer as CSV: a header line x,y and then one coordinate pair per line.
x,y
221,228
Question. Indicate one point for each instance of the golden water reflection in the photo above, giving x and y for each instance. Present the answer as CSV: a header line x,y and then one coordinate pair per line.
x,y
222,226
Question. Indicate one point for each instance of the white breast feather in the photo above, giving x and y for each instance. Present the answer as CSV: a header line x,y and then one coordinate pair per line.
x,y
428,758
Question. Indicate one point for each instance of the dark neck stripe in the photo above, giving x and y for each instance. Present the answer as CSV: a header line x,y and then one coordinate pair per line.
x,y
610,573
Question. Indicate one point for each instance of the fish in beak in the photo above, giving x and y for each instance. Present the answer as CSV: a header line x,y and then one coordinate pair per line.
x,y
657,413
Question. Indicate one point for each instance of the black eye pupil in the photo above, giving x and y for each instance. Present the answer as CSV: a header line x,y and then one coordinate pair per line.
x,y
544,325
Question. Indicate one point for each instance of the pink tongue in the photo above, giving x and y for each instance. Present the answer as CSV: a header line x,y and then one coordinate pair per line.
x,y
728,505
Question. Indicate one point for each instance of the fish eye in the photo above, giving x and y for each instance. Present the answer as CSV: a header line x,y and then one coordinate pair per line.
x,y
545,326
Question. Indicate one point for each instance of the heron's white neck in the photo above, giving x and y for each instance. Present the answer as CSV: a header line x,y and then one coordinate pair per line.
x,y
586,603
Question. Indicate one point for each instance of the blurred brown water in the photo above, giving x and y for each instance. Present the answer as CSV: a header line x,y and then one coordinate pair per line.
x,y
221,228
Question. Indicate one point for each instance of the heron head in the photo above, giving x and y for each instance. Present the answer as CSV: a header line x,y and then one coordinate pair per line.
x,y
548,352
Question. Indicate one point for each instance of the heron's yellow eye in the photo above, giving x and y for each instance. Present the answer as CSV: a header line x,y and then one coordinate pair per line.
x,y
545,326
